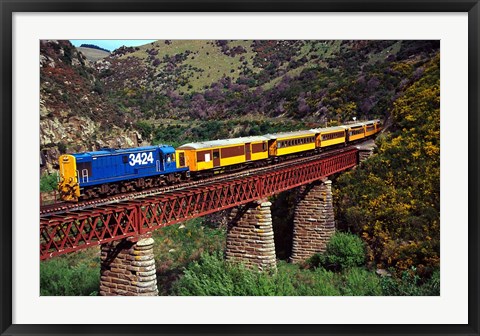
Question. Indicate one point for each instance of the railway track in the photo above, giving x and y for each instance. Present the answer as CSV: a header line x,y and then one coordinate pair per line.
x,y
59,208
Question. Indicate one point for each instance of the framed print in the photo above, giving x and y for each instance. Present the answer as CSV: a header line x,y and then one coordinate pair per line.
x,y
186,49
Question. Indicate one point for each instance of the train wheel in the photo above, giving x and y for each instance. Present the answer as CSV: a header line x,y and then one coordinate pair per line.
x,y
105,189
140,183
89,194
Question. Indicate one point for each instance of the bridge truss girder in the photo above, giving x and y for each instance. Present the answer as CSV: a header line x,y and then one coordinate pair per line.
x,y
75,230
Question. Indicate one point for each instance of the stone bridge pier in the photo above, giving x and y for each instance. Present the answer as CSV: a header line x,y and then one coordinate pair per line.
x,y
128,268
250,235
314,220
250,232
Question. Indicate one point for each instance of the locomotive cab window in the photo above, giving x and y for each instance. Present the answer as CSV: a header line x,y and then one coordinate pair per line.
x,y
170,157
125,159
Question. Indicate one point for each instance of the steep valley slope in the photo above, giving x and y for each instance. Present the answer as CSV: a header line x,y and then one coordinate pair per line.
x,y
178,91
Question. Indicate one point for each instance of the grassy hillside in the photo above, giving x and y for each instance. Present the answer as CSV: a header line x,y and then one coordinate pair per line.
x,y
92,54
315,81
204,62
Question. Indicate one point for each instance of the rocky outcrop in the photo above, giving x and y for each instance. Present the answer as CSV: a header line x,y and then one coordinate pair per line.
x,y
75,116
80,134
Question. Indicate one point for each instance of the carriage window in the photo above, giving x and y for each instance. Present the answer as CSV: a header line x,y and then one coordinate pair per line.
x,y
125,159
216,154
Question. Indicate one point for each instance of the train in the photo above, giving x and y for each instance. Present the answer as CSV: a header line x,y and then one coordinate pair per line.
x,y
109,171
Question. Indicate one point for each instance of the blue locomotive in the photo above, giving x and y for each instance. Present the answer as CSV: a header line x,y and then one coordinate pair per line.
x,y
111,171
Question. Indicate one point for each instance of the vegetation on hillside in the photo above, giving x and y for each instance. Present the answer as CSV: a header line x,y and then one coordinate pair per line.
x,y
69,85
74,274
296,81
189,261
213,276
393,200
317,80
48,182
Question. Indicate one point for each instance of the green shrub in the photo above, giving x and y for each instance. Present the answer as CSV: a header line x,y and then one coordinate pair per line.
x,y
343,251
411,284
98,87
319,282
432,286
212,276
145,128
58,278
62,147
360,282
48,182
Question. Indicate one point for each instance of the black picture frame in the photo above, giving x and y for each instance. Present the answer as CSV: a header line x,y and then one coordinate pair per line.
x,y
8,7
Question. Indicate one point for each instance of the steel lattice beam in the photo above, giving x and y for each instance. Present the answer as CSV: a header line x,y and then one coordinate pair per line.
x,y
81,229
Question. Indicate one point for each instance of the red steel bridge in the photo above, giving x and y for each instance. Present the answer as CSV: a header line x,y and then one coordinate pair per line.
x,y
79,229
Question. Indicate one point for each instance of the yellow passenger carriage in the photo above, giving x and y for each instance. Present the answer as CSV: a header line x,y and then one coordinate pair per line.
x,y
372,127
329,136
222,155
290,143
355,131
